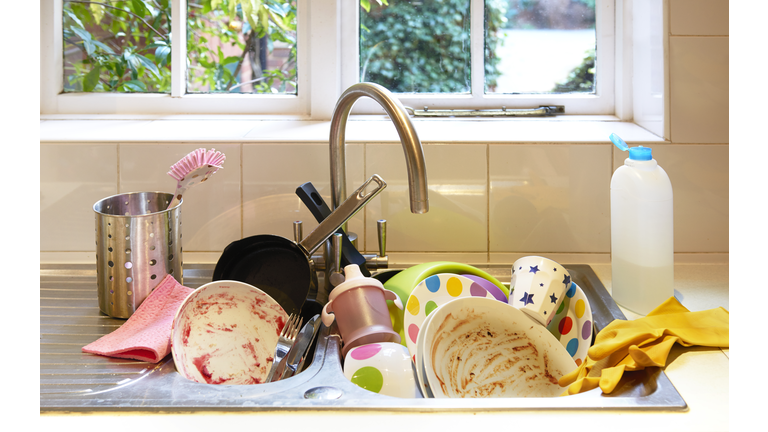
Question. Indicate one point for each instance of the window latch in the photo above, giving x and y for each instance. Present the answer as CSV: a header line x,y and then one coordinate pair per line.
x,y
542,111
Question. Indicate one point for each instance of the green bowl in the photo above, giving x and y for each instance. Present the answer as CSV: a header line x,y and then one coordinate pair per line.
x,y
405,281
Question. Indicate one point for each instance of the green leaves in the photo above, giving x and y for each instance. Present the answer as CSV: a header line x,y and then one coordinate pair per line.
x,y
87,40
162,51
140,8
124,46
422,48
366,4
252,11
98,11
137,61
91,79
133,86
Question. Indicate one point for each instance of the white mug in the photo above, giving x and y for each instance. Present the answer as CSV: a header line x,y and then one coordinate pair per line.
x,y
537,287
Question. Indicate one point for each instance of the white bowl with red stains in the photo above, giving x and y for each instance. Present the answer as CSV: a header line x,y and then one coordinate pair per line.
x,y
477,347
225,332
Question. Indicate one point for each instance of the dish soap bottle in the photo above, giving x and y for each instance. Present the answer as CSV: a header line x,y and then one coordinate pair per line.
x,y
642,245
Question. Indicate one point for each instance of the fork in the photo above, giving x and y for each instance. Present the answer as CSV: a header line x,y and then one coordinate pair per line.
x,y
285,342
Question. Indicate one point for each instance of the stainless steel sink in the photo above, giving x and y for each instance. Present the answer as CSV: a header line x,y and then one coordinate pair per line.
x,y
73,381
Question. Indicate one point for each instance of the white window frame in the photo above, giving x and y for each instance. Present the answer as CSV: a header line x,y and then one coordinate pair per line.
x,y
327,64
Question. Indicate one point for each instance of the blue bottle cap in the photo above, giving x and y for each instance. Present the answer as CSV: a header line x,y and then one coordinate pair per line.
x,y
618,142
640,153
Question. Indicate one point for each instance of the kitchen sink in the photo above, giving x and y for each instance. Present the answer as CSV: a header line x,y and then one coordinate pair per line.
x,y
73,381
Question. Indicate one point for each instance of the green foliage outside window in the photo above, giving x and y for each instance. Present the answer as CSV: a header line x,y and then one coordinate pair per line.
x,y
581,78
125,46
424,46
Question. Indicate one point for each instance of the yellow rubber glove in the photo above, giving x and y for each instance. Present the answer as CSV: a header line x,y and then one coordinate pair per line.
x,y
634,345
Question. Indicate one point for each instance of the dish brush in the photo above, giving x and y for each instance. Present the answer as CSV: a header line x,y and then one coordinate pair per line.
x,y
194,168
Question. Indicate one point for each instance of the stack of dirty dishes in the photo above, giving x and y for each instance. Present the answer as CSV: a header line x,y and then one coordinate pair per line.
x,y
466,340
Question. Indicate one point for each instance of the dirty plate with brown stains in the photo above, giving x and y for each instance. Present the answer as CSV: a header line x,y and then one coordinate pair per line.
x,y
225,332
478,347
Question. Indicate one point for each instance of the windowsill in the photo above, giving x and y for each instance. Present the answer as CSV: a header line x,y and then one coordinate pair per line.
x,y
276,129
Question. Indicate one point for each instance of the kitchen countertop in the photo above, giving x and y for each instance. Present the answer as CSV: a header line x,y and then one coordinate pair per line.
x,y
700,375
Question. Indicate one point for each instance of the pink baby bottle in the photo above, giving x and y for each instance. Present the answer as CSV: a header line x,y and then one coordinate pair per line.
x,y
359,306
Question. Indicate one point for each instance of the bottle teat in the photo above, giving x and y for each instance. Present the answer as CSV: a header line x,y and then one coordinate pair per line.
x,y
352,272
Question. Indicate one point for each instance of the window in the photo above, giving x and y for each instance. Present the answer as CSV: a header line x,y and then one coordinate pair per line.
x,y
488,54
336,44
128,57
232,46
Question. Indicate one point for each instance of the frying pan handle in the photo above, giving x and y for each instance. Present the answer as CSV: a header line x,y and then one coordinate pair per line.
x,y
320,210
342,214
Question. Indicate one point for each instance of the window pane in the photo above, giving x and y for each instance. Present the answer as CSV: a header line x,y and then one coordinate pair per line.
x,y
541,46
416,46
121,46
241,46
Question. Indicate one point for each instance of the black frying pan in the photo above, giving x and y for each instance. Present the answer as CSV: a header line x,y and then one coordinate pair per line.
x,y
320,210
281,267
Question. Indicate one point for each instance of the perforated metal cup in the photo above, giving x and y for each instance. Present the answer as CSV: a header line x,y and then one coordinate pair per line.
x,y
138,243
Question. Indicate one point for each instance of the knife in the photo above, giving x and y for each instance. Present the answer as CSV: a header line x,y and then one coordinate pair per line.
x,y
296,356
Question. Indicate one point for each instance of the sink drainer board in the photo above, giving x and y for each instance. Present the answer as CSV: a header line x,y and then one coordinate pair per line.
x,y
73,381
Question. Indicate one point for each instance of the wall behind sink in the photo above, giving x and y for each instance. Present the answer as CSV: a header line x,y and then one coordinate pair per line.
x,y
489,202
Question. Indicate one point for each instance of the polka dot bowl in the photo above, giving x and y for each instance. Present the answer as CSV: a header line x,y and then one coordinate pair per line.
x,y
572,324
430,294
384,368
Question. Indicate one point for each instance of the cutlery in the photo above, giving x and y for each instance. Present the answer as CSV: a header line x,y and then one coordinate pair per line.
x,y
284,344
297,355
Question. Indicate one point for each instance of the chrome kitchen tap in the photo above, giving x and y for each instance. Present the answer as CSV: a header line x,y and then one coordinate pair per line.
x,y
414,159
414,154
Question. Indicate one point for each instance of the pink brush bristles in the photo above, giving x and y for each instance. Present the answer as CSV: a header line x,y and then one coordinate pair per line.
x,y
196,159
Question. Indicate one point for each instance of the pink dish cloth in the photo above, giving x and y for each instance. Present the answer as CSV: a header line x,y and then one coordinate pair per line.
x,y
146,335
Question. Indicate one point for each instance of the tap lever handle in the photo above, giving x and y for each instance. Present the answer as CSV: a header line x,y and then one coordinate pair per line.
x,y
336,240
298,234
320,210
336,277
381,230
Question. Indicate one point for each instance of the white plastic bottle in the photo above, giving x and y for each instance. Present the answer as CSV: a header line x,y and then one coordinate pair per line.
x,y
642,233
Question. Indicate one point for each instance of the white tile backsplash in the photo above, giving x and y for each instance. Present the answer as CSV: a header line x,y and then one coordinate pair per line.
x,y
699,17
488,202
699,175
72,179
547,199
271,174
458,199
699,97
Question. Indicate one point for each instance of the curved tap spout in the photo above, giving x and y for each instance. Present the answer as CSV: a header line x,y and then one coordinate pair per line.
x,y
414,154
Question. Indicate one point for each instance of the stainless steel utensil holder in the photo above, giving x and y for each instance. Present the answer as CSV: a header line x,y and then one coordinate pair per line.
x,y
138,243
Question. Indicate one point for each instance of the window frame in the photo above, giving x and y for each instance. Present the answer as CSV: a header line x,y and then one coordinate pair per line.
x,y
601,103
327,64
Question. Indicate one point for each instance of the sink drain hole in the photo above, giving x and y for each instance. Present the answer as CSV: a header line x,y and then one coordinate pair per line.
x,y
323,392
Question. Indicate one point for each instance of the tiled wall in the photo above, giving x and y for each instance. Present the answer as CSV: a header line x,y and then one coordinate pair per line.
x,y
490,202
